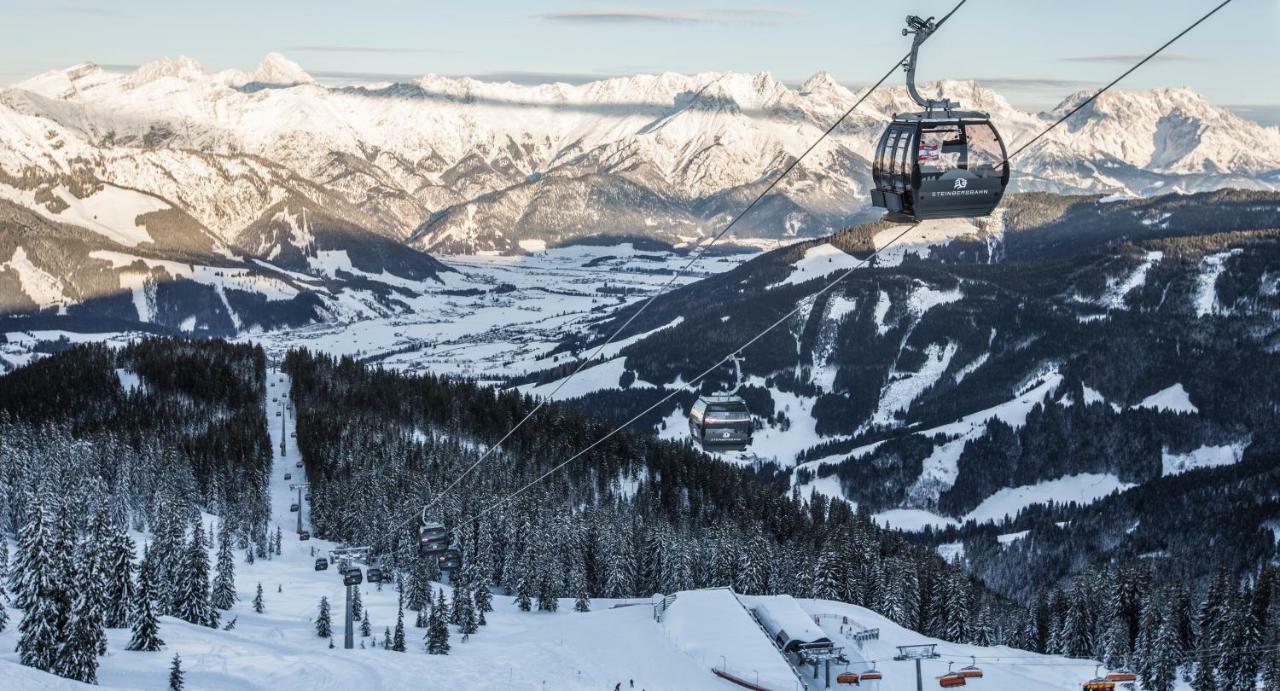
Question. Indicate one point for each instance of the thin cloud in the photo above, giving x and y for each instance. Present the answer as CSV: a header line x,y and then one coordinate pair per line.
x,y
90,11
1131,58
723,15
1033,83
358,49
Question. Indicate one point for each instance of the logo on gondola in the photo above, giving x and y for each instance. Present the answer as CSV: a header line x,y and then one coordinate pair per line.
x,y
961,183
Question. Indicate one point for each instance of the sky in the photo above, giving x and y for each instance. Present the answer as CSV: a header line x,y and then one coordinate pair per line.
x,y
1035,52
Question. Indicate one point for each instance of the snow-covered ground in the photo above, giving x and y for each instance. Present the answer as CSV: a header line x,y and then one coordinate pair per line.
x,y
486,333
279,651
1202,457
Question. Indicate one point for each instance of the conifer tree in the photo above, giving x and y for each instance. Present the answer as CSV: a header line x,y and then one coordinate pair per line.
x,y
324,626
386,637
483,597
118,586
438,628
146,627
547,601
78,654
193,603
366,629
224,583
258,605
469,622
357,607
524,594
423,615
40,593
397,643
175,674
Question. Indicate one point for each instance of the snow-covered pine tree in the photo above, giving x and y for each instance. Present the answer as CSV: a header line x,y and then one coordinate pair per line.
x,y
957,607
146,626
279,540
258,605
547,601
438,628
78,652
386,638
175,674
828,576
366,628
1165,657
118,570
524,594
357,606
468,623
456,607
324,625
420,622
89,603
577,586
31,563
1116,643
50,550
193,582
224,583
397,643
419,595
483,597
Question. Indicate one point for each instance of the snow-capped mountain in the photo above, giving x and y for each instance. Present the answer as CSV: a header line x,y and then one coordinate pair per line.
x,y
459,164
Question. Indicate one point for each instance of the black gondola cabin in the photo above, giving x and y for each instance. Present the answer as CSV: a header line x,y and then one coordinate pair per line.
x,y
939,165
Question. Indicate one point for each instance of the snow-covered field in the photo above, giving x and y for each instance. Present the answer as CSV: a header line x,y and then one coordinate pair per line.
x,y
487,333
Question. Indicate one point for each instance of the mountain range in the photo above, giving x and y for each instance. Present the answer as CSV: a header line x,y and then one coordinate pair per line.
x,y
307,194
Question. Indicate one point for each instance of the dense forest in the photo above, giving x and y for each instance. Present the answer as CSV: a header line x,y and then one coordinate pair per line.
x,y
94,442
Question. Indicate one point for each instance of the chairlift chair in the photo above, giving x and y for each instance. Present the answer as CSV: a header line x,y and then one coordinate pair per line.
x,y
941,162
850,678
872,674
971,671
951,680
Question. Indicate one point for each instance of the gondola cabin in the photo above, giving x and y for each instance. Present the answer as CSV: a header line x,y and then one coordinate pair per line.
x,y
850,678
352,577
449,560
939,165
433,538
322,564
304,535
293,508
721,421
374,574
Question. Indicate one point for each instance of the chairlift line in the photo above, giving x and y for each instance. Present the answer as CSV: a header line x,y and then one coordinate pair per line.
x,y
697,256
780,321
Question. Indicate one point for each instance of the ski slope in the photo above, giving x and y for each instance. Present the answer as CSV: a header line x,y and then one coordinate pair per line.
x,y
279,651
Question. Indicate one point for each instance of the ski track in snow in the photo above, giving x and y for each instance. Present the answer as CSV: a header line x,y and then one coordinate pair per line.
x,y
1206,296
